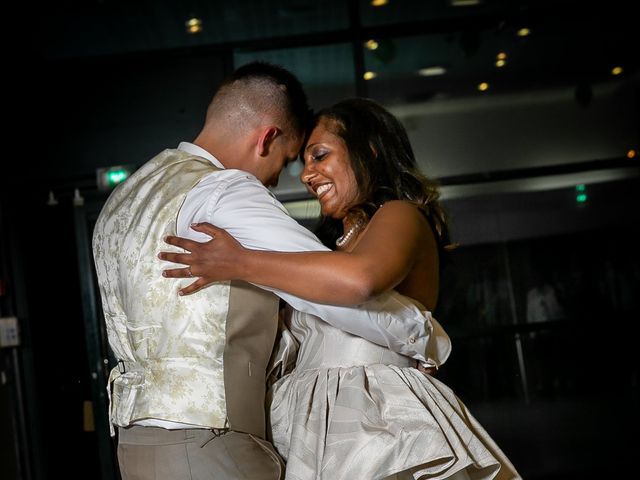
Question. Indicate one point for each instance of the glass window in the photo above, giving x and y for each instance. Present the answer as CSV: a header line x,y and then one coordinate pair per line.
x,y
111,27
249,20
396,11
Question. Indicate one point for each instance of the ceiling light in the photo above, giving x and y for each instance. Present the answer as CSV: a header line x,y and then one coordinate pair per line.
x,y
500,63
501,56
631,154
617,70
371,44
369,75
193,25
524,32
464,3
483,87
432,71
379,3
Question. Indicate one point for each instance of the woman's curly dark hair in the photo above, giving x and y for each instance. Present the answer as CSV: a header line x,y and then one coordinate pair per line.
x,y
383,163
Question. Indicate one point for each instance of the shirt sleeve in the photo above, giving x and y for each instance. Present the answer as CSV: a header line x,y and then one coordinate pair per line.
x,y
239,203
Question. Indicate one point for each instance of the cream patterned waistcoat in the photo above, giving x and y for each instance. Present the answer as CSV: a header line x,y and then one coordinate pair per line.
x,y
199,359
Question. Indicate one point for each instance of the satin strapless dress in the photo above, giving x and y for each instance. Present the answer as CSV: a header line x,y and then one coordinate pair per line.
x,y
353,410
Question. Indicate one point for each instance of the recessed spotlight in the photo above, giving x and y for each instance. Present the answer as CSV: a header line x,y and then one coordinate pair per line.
x,y
631,153
500,63
524,32
617,70
483,87
193,25
432,71
501,56
369,75
371,44
379,3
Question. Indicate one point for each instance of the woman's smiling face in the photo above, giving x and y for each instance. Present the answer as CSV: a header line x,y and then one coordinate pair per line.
x,y
327,171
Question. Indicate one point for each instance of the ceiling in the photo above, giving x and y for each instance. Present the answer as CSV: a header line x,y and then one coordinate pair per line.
x,y
571,42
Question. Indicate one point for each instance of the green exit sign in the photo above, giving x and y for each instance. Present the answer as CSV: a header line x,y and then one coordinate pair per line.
x,y
109,177
581,194
116,176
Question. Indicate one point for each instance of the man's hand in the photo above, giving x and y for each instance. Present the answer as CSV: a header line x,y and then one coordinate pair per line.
x,y
428,370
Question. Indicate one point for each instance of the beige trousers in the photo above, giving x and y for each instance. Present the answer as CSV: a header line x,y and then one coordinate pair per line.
x,y
151,453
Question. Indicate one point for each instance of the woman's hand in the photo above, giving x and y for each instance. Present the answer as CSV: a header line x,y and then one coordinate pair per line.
x,y
213,261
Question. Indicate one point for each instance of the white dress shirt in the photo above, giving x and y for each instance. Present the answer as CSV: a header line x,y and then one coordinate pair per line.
x,y
237,202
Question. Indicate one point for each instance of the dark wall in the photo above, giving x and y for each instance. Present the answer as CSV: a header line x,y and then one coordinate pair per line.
x,y
108,111
541,300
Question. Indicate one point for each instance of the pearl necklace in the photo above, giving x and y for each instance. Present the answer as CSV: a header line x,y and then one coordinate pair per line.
x,y
346,238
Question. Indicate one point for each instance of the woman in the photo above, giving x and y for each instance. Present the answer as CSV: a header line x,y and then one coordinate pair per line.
x,y
351,409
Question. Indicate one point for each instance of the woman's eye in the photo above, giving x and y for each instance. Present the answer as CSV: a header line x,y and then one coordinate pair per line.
x,y
316,157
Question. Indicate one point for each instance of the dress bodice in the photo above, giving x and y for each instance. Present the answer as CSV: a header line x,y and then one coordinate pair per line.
x,y
325,346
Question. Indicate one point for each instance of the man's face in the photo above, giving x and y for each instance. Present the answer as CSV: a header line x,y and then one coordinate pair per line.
x,y
284,150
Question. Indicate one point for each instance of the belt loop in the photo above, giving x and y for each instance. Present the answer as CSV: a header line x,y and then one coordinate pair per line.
x,y
214,433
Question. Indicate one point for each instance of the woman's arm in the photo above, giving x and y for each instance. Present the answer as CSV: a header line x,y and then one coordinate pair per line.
x,y
394,239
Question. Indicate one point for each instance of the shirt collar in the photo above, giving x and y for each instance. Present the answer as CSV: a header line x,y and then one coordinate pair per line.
x,y
200,152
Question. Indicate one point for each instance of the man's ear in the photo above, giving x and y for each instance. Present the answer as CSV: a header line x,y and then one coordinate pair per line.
x,y
267,136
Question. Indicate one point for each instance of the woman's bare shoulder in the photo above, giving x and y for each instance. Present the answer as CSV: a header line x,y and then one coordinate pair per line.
x,y
403,215
402,210
399,206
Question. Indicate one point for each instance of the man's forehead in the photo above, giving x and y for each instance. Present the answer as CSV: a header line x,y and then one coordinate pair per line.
x,y
296,143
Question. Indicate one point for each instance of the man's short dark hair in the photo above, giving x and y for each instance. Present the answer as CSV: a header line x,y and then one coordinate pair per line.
x,y
297,107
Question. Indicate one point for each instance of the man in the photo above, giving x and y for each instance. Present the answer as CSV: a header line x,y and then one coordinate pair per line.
x,y
189,391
